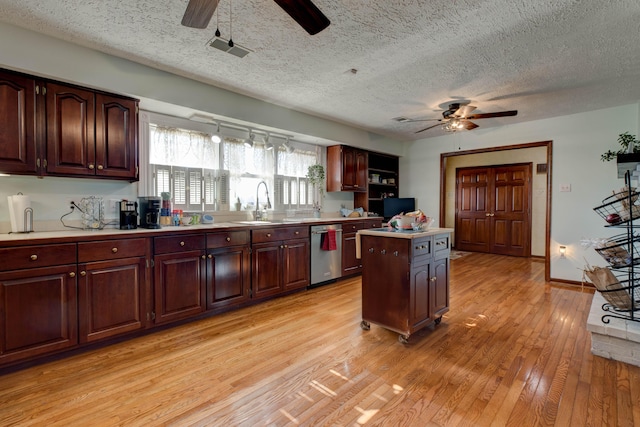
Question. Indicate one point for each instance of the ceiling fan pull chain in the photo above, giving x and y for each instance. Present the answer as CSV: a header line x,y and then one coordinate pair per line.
x,y
230,25
217,22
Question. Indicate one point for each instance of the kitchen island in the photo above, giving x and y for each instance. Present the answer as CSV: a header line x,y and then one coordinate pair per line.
x,y
405,278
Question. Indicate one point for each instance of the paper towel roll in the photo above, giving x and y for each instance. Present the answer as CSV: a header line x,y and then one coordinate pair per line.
x,y
17,207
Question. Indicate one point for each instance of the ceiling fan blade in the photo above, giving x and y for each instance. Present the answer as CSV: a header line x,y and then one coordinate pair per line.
x,y
430,127
199,13
466,124
492,115
305,13
464,110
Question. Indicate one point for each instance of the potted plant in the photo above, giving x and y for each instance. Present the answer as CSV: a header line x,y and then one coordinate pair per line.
x,y
315,175
629,145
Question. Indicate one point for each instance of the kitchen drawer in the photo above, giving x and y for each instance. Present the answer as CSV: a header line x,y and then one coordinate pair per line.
x,y
352,226
111,249
421,247
373,223
441,246
171,244
227,238
37,256
265,235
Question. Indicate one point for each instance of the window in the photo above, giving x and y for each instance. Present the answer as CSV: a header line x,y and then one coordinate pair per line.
x,y
204,176
185,164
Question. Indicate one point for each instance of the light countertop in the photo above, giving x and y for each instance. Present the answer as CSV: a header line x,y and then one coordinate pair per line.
x,y
404,234
107,233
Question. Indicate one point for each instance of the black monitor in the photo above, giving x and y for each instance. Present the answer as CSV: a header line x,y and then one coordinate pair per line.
x,y
395,205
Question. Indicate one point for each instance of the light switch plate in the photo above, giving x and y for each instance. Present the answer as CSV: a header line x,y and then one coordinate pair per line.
x,y
565,188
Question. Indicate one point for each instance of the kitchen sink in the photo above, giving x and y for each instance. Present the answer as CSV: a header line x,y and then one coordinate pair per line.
x,y
256,222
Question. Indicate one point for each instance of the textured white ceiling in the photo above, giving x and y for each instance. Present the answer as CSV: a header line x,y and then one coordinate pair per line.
x,y
542,57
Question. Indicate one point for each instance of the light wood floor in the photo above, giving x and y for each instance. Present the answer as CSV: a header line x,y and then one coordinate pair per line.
x,y
512,351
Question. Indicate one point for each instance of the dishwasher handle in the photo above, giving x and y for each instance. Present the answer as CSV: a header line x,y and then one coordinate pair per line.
x,y
324,232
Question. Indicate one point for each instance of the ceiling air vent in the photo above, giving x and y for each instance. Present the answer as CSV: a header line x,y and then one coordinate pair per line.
x,y
223,45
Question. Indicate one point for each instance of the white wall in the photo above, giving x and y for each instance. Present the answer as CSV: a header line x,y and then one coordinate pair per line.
x,y
29,52
578,142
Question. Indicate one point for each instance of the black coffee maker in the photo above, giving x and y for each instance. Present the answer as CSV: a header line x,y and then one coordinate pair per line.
x,y
149,211
128,215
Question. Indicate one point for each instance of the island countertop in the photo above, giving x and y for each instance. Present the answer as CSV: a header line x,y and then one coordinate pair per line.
x,y
404,234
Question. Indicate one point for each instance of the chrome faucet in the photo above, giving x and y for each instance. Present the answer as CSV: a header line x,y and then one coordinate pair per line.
x,y
258,213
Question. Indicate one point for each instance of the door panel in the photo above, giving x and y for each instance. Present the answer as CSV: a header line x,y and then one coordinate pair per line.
x,y
493,209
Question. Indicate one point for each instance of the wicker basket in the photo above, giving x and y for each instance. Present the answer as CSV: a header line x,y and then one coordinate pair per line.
x,y
620,251
620,207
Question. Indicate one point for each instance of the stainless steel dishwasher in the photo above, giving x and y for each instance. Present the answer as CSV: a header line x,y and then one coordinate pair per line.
x,y
326,265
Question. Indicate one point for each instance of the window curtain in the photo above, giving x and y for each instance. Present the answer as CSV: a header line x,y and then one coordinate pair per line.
x,y
180,147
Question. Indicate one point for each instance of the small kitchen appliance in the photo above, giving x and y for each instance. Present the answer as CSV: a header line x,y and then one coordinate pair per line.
x,y
149,211
128,215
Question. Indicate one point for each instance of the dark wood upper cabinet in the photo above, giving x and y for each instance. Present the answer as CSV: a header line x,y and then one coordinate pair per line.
x,y
17,121
346,169
116,136
70,130
53,128
370,176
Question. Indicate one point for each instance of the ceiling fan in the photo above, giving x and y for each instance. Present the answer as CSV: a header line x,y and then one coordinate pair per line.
x,y
458,117
304,12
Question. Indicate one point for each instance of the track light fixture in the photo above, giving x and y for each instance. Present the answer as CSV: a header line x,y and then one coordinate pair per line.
x,y
216,136
287,146
249,141
267,144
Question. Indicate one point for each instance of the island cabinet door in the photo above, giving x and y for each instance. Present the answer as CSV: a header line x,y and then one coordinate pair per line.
x,y
267,269
38,312
179,285
420,295
440,287
111,298
228,277
385,282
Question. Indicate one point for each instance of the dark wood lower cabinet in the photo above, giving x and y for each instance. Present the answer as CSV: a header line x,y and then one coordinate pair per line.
x,y
280,260
228,277
38,312
179,285
111,298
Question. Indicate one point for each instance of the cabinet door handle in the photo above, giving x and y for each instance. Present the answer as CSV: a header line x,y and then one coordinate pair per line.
x,y
228,239
487,214
83,273
286,246
297,232
181,243
210,256
91,166
203,256
395,253
100,167
34,257
114,250
383,252
72,274
371,250
433,279
268,234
